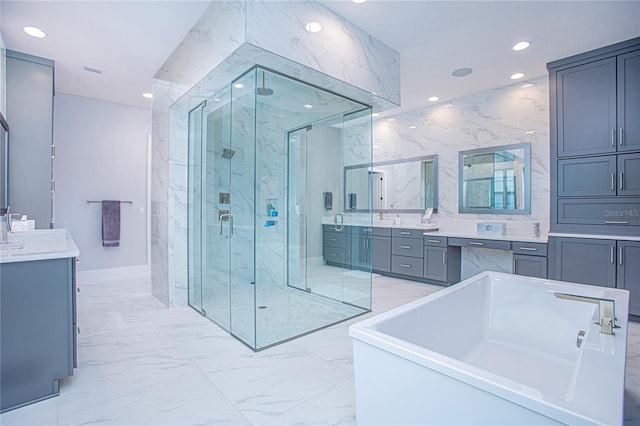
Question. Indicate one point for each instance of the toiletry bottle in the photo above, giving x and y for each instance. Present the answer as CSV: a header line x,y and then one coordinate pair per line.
x,y
397,220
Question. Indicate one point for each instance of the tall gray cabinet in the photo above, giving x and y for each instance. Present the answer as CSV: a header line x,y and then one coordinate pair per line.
x,y
595,168
30,89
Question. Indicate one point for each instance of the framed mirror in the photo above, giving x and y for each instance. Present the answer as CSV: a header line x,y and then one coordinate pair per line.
x,y
495,180
404,186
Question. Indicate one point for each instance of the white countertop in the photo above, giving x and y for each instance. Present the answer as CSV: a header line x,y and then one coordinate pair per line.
x,y
444,231
40,244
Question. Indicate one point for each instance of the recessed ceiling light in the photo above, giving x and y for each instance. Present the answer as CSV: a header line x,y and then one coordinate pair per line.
x,y
433,99
238,85
529,132
521,45
35,32
359,1
462,72
148,95
313,27
517,76
412,127
308,106
376,146
448,105
375,114
92,69
391,119
216,99
527,85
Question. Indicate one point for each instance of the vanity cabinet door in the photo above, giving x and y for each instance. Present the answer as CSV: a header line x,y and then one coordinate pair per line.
x,y
629,272
435,263
629,101
585,261
381,254
360,248
530,266
586,99
629,174
587,177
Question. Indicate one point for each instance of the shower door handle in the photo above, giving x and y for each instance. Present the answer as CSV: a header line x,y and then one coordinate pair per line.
x,y
230,220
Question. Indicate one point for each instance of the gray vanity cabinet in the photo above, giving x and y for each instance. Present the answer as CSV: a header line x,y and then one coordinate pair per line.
x,y
628,272
334,247
381,252
435,258
529,259
359,250
38,330
407,252
629,173
604,175
585,261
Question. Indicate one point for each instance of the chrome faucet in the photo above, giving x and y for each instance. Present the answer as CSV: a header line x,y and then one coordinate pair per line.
x,y
606,308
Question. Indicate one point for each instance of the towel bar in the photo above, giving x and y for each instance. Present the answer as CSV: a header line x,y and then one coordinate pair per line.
x,y
121,202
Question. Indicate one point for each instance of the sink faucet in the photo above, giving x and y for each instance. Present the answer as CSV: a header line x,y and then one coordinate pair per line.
x,y
606,308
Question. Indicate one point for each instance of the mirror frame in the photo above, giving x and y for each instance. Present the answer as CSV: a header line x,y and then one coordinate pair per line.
x,y
527,179
433,158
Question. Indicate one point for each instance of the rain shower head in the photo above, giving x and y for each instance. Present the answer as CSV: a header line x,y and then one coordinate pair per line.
x,y
264,90
228,153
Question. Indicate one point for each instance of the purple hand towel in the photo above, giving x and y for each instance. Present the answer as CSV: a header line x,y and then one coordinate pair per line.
x,y
110,223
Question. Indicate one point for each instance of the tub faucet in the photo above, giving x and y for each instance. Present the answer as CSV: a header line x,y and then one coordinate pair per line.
x,y
606,308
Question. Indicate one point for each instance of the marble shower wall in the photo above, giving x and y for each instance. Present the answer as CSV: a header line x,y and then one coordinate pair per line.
x,y
231,37
503,116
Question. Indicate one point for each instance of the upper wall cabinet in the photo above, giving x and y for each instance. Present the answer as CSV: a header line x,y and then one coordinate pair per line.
x,y
598,103
595,141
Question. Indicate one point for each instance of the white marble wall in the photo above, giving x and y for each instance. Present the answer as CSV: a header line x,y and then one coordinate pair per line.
x,y
226,42
503,116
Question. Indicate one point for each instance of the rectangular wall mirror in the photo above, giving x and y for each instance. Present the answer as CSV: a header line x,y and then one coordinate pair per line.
x,y
495,180
404,186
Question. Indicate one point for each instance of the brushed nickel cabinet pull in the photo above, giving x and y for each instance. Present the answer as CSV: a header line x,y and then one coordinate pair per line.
x,y
613,137
613,253
528,248
404,265
434,241
613,181
621,254
405,247
444,258
616,222
405,233
473,243
620,136
621,181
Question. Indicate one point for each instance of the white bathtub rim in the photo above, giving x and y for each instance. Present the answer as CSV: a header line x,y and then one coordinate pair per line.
x,y
500,386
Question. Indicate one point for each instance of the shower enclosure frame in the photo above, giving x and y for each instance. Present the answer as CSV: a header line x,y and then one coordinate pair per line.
x,y
260,234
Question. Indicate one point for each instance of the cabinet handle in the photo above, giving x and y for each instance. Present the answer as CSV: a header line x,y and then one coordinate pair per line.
x,y
405,233
616,222
528,248
473,243
613,137
404,265
621,181
620,136
333,239
444,258
333,255
613,253
434,241
621,254
613,181
405,247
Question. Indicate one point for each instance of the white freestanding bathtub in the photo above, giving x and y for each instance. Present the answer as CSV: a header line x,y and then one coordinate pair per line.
x,y
493,349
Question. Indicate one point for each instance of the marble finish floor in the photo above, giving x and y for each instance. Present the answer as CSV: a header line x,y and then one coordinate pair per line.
x,y
140,363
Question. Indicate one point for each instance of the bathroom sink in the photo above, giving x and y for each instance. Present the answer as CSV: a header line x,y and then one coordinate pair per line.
x,y
11,245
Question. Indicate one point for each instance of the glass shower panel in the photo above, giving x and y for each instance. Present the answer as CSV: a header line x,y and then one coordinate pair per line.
x,y
243,215
216,188
297,209
194,228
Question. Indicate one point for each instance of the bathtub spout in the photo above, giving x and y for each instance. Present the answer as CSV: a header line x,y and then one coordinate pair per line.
x,y
606,308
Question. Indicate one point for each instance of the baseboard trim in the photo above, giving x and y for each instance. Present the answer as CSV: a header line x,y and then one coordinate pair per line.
x,y
109,274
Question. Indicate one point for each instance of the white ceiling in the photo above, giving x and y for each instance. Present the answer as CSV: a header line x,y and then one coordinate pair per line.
x,y
129,40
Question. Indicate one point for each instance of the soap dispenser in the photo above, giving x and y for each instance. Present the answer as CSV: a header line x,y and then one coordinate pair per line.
x,y
397,220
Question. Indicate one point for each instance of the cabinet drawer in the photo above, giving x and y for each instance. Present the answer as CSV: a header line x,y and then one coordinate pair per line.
x,y
334,255
435,241
625,212
407,233
382,232
335,239
480,243
531,249
407,265
407,247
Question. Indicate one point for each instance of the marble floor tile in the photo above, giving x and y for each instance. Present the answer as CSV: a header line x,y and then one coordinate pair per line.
x,y
141,363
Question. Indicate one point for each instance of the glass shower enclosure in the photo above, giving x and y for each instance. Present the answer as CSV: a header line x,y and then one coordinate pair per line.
x,y
264,152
